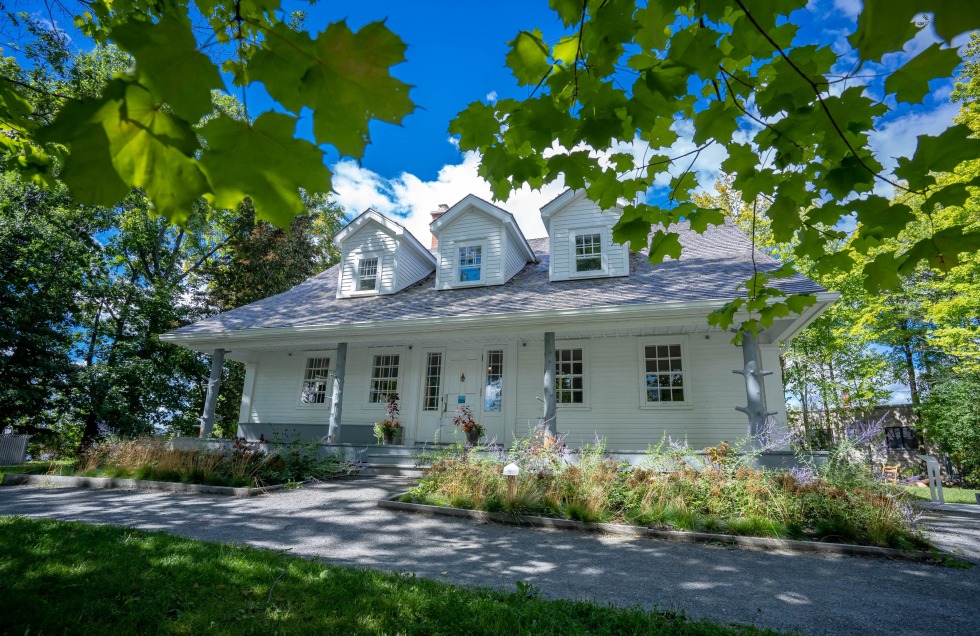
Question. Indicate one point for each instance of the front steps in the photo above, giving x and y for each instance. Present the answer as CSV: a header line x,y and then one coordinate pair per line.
x,y
391,461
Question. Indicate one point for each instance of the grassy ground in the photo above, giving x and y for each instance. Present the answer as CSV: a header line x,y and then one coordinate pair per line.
x,y
61,577
950,495
37,468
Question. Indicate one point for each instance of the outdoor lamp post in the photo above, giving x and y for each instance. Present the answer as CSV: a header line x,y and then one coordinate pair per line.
x,y
510,472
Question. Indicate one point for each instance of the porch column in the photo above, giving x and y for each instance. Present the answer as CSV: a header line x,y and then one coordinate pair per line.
x,y
338,393
755,388
214,383
549,420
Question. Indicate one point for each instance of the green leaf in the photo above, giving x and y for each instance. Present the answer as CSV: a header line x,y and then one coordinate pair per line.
x,y
798,302
881,274
942,250
952,195
528,57
701,218
885,26
910,83
342,76
938,154
570,11
123,140
664,244
273,183
169,64
477,126
718,121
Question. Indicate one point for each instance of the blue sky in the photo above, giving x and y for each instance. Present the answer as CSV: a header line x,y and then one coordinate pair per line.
x,y
456,56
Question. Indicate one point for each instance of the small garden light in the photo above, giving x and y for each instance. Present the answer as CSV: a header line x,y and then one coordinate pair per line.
x,y
510,472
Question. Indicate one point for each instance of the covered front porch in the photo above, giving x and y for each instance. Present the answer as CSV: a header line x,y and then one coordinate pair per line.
x,y
581,376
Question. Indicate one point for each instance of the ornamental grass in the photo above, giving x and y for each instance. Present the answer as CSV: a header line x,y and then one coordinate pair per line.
x,y
718,490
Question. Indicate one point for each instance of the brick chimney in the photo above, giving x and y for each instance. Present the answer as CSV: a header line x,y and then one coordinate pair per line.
x,y
443,208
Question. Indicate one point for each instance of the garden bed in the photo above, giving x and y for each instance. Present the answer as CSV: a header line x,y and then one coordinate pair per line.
x,y
239,469
720,493
398,503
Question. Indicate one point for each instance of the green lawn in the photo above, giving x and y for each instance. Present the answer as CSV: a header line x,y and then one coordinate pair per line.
x,y
950,495
60,577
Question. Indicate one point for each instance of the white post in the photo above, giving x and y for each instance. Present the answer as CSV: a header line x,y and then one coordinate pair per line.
x,y
935,479
337,398
211,400
550,407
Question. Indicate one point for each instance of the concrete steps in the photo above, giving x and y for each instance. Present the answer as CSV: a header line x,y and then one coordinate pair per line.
x,y
391,461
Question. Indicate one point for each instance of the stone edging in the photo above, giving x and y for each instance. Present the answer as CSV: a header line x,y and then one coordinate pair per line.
x,y
65,481
651,533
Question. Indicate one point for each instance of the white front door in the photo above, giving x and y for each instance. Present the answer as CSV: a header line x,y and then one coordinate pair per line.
x,y
452,378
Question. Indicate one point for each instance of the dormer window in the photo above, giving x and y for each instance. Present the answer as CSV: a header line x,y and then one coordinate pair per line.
x,y
367,274
469,263
588,253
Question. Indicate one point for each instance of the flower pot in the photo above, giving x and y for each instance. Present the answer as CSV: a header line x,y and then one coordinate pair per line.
x,y
472,437
389,438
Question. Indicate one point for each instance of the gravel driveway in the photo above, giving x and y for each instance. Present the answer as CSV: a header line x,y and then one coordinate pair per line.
x,y
341,523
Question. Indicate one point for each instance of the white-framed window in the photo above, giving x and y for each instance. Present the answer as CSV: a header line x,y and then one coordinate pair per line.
x,y
588,255
315,389
664,374
493,389
384,377
432,388
571,376
471,266
368,273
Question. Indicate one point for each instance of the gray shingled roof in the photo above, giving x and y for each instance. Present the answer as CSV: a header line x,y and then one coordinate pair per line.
x,y
710,268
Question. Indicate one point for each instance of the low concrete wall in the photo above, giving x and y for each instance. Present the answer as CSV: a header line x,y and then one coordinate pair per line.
x,y
65,481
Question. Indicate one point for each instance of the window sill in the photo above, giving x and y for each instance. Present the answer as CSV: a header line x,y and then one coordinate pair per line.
x,y
680,406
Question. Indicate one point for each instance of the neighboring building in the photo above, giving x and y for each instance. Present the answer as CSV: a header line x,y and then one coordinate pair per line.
x,y
471,322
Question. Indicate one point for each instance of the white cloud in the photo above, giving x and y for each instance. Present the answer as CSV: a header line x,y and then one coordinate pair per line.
x,y
410,200
492,96
897,138
850,8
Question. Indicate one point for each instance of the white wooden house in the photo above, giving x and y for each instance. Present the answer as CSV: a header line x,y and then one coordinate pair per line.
x,y
473,321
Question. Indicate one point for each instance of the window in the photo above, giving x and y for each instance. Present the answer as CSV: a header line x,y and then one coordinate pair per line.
x,y
469,266
569,376
433,381
367,274
901,438
384,378
588,252
664,374
494,388
316,388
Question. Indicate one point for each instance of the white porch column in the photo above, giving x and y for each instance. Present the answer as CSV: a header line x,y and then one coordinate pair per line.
x,y
755,388
549,421
338,393
214,383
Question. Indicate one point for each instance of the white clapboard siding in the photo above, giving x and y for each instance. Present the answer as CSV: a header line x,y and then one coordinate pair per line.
x,y
582,216
515,257
471,225
614,384
409,267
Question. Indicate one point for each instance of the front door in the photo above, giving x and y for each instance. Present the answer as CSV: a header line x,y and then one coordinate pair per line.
x,y
457,377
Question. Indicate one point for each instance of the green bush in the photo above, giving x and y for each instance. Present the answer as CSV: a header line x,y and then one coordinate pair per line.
x,y
951,419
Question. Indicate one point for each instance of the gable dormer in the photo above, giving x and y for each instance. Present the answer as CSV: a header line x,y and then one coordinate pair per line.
x,y
580,237
478,244
379,256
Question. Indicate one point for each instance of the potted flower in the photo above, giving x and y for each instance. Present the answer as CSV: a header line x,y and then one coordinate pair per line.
x,y
463,420
388,429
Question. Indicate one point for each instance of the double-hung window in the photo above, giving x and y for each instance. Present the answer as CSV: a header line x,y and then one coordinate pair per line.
x,y
588,253
570,376
384,378
470,265
664,375
367,274
316,388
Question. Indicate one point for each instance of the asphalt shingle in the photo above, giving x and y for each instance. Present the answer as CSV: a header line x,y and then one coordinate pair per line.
x,y
711,266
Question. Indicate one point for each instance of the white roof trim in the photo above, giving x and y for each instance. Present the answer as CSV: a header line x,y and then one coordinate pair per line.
x,y
505,217
397,230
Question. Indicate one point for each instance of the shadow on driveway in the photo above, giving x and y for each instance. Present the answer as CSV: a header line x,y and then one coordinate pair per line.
x,y
340,523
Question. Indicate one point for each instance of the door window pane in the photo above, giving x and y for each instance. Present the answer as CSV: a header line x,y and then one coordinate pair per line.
x,y
433,381
493,394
